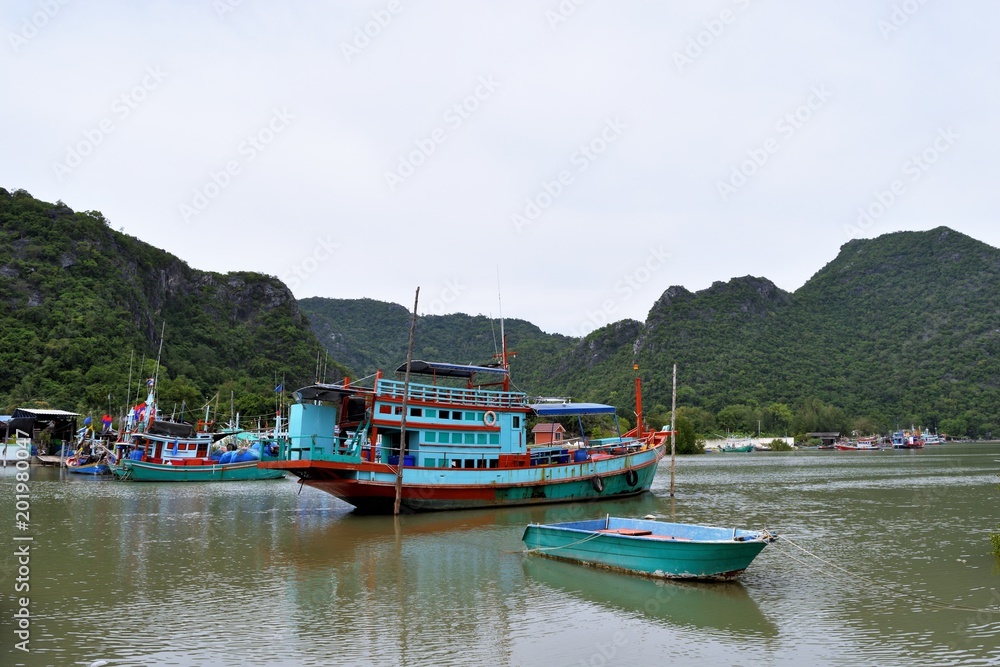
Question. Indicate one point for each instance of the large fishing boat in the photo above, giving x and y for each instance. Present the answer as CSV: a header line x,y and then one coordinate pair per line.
x,y
465,444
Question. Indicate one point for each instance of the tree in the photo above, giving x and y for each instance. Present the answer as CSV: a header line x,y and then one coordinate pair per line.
x,y
685,441
738,418
776,418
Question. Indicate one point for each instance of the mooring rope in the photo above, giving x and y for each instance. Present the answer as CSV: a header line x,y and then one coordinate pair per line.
x,y
571,544
871,582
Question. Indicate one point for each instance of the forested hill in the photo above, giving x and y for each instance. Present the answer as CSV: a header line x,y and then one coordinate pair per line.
x,y
899,330
367,335
896,331
77,298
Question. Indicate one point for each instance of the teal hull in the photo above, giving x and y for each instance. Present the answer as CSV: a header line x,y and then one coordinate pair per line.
x,y
138,471
667,550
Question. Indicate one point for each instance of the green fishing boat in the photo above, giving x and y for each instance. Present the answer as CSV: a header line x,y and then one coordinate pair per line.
x,y
650,548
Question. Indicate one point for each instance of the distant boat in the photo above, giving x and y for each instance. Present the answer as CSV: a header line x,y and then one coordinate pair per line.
x,y
83,465
907,440
733,445
165,451
650,548
932,438
862,445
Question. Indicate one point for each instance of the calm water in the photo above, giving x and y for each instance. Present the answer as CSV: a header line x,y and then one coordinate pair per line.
x,y
254,574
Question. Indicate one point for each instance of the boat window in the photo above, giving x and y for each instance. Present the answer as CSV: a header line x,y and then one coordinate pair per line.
x,y
494,438
430,412
470,438
493,463
480,438
398,410
430,463
416,412
470,416
470,463
385,409
480,463
456,438
430,436
517,421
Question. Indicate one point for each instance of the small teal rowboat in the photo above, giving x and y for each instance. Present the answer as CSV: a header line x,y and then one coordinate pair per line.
x,y
650,548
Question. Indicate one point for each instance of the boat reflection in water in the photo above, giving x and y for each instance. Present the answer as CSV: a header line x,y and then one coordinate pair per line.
x,y
723,606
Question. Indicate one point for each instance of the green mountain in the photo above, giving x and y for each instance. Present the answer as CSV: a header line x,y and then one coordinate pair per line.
x,y
367,335
77,299
899,330
896,331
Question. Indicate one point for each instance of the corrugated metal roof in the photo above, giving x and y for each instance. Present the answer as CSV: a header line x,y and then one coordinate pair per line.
x,y
49,413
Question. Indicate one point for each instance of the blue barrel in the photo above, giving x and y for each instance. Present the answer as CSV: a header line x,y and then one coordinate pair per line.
x,y
580,455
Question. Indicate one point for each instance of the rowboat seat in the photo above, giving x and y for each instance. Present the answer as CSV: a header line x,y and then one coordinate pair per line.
x,y
632,532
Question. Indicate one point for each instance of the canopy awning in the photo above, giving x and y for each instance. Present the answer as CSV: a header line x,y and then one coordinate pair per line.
x,y
449,370
566,409
330,393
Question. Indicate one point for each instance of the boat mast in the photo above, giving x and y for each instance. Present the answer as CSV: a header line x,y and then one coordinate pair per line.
x,y
402,417
673,431
503,357
156,378
638,402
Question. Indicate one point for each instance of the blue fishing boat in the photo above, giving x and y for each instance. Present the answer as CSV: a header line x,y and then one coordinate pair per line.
x,y
464,442
650,548
83,465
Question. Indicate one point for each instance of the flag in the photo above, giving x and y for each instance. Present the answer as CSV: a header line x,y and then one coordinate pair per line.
x,y
279,387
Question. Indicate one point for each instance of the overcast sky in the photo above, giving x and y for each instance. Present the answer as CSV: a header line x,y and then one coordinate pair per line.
x,y
591,153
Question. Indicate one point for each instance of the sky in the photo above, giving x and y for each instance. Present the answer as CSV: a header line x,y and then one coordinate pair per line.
x,y
559,162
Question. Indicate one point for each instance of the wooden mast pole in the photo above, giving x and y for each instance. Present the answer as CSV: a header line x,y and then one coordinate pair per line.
x,y
638,401
402,417
673,431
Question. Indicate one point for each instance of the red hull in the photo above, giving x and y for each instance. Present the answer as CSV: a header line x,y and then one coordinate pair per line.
x,y
378,497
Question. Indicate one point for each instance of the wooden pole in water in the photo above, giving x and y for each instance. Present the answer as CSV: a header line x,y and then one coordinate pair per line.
x,y
673,431
402,417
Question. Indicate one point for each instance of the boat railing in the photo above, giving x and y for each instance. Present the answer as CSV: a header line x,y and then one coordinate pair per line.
x,y
455,395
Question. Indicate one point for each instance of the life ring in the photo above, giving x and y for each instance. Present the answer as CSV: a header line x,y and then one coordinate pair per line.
x,y
597,483
631,477
490,418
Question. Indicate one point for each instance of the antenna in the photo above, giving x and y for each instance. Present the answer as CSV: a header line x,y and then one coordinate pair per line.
x,y
503,340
